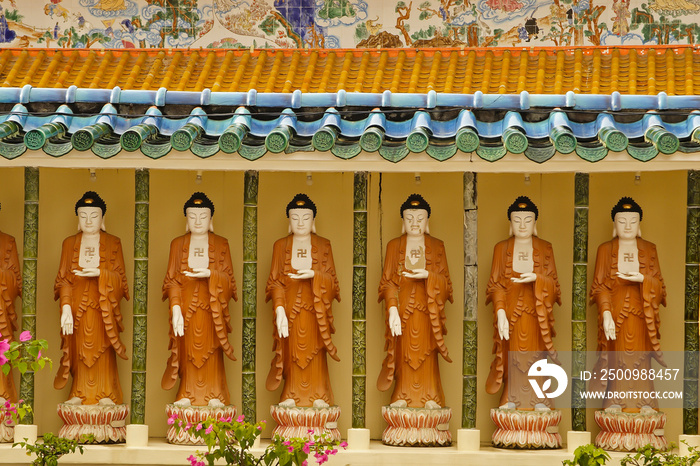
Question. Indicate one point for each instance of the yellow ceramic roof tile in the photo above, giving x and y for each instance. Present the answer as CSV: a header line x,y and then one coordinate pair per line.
x,y
587,70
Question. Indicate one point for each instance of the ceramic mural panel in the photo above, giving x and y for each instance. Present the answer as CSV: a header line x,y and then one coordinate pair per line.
x,y
345,23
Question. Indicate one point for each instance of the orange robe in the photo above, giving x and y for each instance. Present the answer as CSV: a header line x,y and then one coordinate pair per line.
x,y
635,309
301,358
528,309
198,356
89,354
10,289
412,358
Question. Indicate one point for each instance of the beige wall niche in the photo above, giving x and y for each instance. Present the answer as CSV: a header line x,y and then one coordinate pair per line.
x,y
59,190
553,194
170,190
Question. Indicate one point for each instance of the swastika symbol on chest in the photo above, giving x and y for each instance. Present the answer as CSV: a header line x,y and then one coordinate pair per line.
x,y
301,253
628,257
198,252
523,256
90,251
415,253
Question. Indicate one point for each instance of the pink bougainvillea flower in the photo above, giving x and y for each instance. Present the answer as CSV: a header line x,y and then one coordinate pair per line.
x,y
241,418
290,449
306,448
259,428
343,444
209,429
188,426
25,336
322,459
310,431
305,463
286,443
199,426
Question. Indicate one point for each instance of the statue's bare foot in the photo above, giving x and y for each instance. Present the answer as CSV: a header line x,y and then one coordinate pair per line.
x,y
105,402
509,405
76,400
320,404
613,409
399,404
542,407
288,403
216,403
646,409
183,403
430,404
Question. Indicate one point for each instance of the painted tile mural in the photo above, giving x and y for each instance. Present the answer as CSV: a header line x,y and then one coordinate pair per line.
x,y
345,23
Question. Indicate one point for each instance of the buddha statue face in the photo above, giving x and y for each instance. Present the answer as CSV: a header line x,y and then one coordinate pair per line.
x,y
198,220
627,225
522,224
301,221
415,222
89,219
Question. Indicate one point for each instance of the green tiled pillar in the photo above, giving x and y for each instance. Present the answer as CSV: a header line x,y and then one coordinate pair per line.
x,y
359,298
138,363
692,282
579,299
250,290
469,342
29,268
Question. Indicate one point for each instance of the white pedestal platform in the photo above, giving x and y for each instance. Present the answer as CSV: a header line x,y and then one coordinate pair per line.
x,y
159,452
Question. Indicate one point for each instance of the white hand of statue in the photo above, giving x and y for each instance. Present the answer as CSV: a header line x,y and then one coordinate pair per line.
x,y
87,272
416,274
632,277
198,272
526,277
394,321
503,324
609,326
178,321
302,274
67,320
282,322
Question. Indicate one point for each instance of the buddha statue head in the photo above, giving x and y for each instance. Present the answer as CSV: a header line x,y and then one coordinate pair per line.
x,y
90,210
415,213
522,214
301,212
199,211
626,216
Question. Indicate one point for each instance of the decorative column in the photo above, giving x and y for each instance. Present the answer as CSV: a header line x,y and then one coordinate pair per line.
x,y
692,282
250,290
468,437
471,292
29,263
138,365
359,298
579,300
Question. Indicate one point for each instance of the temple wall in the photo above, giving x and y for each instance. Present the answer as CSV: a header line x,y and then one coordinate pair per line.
x,y
661,194
345,23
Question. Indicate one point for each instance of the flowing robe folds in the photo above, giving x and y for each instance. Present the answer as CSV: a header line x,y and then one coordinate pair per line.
x,y
412,357
89,354
301,358
635,310
10,289
528,309
198,356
